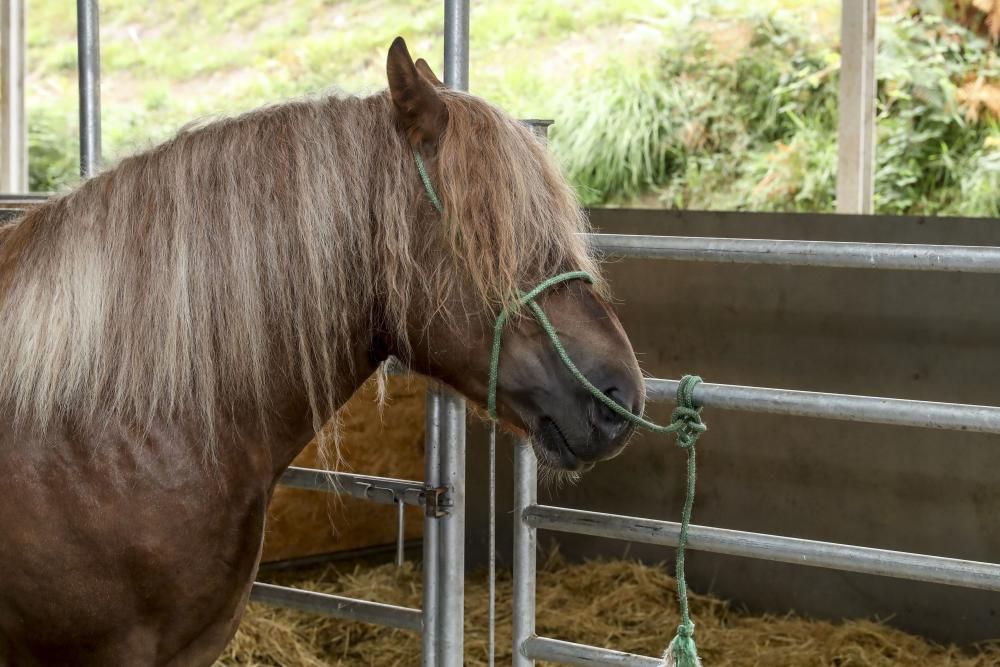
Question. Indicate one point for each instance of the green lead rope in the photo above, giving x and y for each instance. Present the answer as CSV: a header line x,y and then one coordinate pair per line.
x,y
685,423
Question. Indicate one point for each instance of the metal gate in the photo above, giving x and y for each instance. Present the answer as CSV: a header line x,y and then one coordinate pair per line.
x,y
530,516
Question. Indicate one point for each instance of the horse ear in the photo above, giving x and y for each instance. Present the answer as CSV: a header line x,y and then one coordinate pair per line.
x,y
425,71
422,111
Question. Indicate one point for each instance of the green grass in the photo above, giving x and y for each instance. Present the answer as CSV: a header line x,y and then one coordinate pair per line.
x,y
721,104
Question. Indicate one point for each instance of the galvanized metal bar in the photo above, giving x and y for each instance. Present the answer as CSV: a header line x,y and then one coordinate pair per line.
x,y
456,44
337,606
525,552
451,417
400,533
856,105
492,548
843,407
432,477
89,65
13,126
525,537
865,560
838,254
451,535
583,655
385,490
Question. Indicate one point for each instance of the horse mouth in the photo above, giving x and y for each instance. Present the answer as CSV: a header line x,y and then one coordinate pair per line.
x,y
555,450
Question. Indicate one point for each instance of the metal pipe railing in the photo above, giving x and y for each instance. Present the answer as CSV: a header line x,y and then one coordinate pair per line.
x,y
838,254
865,560
446,413
432,476
525,551
844,407
13,126
385,490
89,64
581,655
336,606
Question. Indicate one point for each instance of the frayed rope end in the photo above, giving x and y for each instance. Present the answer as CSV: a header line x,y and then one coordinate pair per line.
x,y
682,651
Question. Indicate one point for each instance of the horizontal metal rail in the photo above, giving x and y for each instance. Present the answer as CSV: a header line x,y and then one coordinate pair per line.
x,y
845,407
385,490
21,199
839,254
865,560
337,606
568,653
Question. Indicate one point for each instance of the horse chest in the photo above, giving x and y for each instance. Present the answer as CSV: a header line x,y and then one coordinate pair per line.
x,y
137,539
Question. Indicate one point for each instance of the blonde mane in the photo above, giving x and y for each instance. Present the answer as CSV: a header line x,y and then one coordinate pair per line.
x,y
182,279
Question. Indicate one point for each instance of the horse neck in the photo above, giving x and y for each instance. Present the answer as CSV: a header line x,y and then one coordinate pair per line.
x,y
289,425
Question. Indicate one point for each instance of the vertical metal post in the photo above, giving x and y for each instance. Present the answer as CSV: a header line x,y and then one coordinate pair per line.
x,y
432,478
456,44
89,63
525,546
400,532
445,625
856,128
525,536
13,129
451,534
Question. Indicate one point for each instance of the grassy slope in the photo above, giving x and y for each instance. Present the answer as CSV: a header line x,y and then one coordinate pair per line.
x,y
165,63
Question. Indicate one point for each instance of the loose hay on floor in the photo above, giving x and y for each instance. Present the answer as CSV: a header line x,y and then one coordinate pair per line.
x,y
617,604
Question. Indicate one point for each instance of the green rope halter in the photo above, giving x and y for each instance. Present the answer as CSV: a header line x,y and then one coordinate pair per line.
x,y
426,180
685,423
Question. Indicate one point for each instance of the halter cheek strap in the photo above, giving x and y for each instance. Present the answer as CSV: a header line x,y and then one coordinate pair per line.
x,y
426,180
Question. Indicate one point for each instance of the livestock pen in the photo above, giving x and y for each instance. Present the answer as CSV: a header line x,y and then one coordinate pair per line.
x,y
907,246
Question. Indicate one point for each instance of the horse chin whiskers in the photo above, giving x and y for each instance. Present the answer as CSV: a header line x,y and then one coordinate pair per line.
x,y
553,479
551,476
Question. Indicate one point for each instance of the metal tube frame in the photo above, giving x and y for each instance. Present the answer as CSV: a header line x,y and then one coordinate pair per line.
x,y
13,128
837,254
444,546
843,407
384,490
337,606
829,555
525,552
89,64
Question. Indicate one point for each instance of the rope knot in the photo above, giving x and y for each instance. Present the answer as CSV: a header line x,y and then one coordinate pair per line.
x,y
685,630
686,418
689,426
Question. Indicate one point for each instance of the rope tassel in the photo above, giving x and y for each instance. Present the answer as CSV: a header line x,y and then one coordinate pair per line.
x,y
682,651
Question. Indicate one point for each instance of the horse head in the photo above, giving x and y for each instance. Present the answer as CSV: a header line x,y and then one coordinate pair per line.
x,y
496,218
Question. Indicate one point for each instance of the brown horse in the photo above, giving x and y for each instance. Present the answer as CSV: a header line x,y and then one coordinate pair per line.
x,y
174,331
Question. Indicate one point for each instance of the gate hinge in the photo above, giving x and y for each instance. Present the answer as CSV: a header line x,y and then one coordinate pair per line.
x,y
437,501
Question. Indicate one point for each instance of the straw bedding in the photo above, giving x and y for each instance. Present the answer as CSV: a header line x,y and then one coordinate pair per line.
x,y
618,604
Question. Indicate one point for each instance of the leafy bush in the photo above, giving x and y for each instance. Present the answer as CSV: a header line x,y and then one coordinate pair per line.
x,y
52,153
700,127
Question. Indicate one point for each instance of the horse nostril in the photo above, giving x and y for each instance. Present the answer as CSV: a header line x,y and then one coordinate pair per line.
x,y
612,419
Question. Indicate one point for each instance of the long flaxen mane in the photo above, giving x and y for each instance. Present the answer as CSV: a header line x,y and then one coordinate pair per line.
x,y
181,280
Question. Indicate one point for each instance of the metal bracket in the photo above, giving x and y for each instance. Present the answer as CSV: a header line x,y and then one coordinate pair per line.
x,y
437,501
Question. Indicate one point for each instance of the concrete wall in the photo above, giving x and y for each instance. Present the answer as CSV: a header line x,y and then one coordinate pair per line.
x,y
901,334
